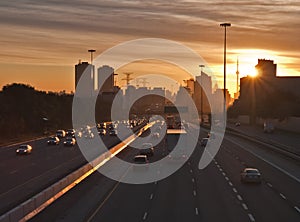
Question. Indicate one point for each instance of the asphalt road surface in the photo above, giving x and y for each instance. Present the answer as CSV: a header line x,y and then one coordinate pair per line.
x,y
190,194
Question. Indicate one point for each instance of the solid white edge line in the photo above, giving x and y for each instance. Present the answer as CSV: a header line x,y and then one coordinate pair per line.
x,y
145,216
267,161
297,208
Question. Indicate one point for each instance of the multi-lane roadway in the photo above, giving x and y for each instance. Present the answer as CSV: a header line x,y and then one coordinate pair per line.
x,y
212,194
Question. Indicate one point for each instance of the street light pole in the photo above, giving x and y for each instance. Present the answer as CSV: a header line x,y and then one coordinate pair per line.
x,y
225,25
201,104
93,71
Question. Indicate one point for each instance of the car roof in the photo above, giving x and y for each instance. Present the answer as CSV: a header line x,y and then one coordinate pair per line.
x,y
249,168
141,156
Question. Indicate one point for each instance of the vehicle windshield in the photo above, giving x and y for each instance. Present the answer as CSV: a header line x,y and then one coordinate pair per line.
x,y
140,159
252,171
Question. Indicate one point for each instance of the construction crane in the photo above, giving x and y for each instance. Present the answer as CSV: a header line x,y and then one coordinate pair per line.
x,y
127,78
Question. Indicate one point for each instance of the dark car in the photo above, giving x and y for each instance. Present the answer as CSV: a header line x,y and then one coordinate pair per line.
x,y
70,133
113,132
53,140
102,132
24,149
141,159
204,142
60,133
70,141
250,175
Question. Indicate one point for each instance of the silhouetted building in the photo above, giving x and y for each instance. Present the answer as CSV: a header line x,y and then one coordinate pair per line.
x,y
267,95
87,83
205,81
105,79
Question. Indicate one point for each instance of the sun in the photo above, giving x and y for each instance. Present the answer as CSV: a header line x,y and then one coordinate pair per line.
x,y
248,59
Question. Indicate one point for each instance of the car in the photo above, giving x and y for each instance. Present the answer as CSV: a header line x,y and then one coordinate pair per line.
x,y
70,133
113,132
60,133
211,135
70,141
147,149
204,142
88,134
102,131
101,125
24,149
237,124
250,175
141,159
155,135
53,140
268,127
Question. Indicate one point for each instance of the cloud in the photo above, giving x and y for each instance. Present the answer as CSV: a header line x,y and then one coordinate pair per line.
x,y
60,32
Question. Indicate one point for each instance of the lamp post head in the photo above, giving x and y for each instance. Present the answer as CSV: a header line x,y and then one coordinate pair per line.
x,y
225,24
91,50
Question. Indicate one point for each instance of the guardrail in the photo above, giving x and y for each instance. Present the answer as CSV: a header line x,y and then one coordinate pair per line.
x,y
279,148
40,201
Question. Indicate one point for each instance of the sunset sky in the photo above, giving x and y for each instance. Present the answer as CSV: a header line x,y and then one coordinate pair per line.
x,y
41,41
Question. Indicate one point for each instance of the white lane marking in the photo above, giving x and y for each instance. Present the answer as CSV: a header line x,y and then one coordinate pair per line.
x,y
12,172
272,164
297,209
193,180
145,216
245,206
251,217
218,166
191,171
221,169
230,184
270,185
196,210
282,196
151,196
216,162
224,174
194,192
155,182
239,197
234,190
226,178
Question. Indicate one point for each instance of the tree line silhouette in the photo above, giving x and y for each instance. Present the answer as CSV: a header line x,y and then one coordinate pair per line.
x,y
25,110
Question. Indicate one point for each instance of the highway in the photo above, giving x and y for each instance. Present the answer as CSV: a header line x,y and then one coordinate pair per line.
x,y
212,194
23,176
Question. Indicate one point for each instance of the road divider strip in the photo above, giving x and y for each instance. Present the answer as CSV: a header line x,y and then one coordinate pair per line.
x,y
40,201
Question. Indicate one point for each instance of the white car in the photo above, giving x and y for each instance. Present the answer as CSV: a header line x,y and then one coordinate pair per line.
x,y
250,175
24,149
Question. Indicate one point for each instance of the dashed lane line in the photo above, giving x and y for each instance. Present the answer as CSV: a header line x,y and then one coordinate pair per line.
x,y
145,216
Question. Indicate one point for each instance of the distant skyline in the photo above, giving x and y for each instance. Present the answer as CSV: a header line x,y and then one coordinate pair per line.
x,y
41,41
